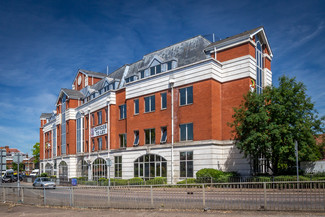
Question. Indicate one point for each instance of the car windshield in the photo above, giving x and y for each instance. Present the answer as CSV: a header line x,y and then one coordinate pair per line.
x,y
46,179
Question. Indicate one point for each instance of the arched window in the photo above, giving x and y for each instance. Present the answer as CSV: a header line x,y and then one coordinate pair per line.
x,y
48,169
99,169
150,166
82,168
259,66
63,170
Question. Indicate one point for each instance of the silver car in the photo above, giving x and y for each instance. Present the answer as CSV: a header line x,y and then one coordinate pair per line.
x,y
44,182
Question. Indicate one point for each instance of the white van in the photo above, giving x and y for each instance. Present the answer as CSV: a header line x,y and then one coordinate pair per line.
x,y
35,172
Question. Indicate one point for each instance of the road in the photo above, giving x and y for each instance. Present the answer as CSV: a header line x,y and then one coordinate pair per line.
x,y
174,198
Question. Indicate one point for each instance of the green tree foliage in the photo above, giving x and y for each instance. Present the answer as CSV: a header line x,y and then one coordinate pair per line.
x,y
36,152
268,124
15,166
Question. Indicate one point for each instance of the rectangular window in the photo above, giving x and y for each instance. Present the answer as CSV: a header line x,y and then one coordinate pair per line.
x,y
136,106
186,164
106,114
106,142
163,135
142,74
186,132
150,136
118,166
149,103
122,111
100,145
155,70
86,123
169,65
186,96
93,119
163,100
123,140
93,145
136,138
99,117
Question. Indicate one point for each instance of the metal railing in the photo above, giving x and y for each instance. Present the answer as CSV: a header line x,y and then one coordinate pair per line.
x,y
307,196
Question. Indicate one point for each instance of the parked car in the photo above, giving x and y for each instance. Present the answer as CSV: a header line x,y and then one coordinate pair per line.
x,y
35,172
9,178
44,182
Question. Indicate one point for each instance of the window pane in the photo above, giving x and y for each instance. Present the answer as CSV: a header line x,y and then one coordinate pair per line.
x,y
164,100
153,105
153,136
189,155
158,170
136,137
164,134
183,169
136,106
146,170
146,102
136,169
169,65
141,169
142,74
189,168
147,136
182,96
189,95
182,155
189,131
164,169
152,70
152,170
183,132
158,69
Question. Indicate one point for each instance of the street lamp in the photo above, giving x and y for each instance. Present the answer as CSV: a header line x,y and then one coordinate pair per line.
x,y
109,164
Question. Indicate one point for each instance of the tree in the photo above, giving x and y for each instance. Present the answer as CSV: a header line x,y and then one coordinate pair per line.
x,y
21,166
36,154
267,125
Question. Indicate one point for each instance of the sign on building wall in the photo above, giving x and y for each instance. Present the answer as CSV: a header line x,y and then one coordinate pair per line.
x,y
99,130
3,162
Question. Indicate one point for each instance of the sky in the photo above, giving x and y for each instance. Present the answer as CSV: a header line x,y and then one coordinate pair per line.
x,y
44,43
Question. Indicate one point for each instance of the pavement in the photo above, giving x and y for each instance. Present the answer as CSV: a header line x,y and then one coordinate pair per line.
x,y
14,210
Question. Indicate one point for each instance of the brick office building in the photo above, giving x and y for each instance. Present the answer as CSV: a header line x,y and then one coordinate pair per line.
x,y
164,115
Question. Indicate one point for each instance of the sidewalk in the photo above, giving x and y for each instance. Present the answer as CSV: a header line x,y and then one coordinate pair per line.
x,y
11,210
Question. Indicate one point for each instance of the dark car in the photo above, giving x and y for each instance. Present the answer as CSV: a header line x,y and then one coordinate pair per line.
x,y
9,178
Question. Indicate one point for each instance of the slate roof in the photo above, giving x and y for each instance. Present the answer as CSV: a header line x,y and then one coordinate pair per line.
x,y
46,115
72,94
95,74
243,35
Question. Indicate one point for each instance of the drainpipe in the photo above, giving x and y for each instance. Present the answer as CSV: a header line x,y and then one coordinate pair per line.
x,y
171,83
215,53
108,135
89,133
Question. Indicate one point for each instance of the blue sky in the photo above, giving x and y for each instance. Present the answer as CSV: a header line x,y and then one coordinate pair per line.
x,y
44,43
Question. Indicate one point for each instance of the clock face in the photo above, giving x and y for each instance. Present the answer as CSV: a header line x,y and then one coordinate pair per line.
x,y
79,80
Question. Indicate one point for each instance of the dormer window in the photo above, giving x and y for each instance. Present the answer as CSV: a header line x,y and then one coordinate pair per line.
x,y
155,70
142,74
169,65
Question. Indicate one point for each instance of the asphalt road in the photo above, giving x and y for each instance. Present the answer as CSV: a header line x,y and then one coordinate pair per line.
x,y
175,198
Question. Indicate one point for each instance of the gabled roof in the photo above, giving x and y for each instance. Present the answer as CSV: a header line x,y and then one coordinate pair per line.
x,y
90,73
46,115
71,94
240,37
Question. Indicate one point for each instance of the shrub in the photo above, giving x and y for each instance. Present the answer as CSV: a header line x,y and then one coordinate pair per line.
x,y
157,181
119,182
136,181
261,179
43,175
187,181
53,176
82,178
205,175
